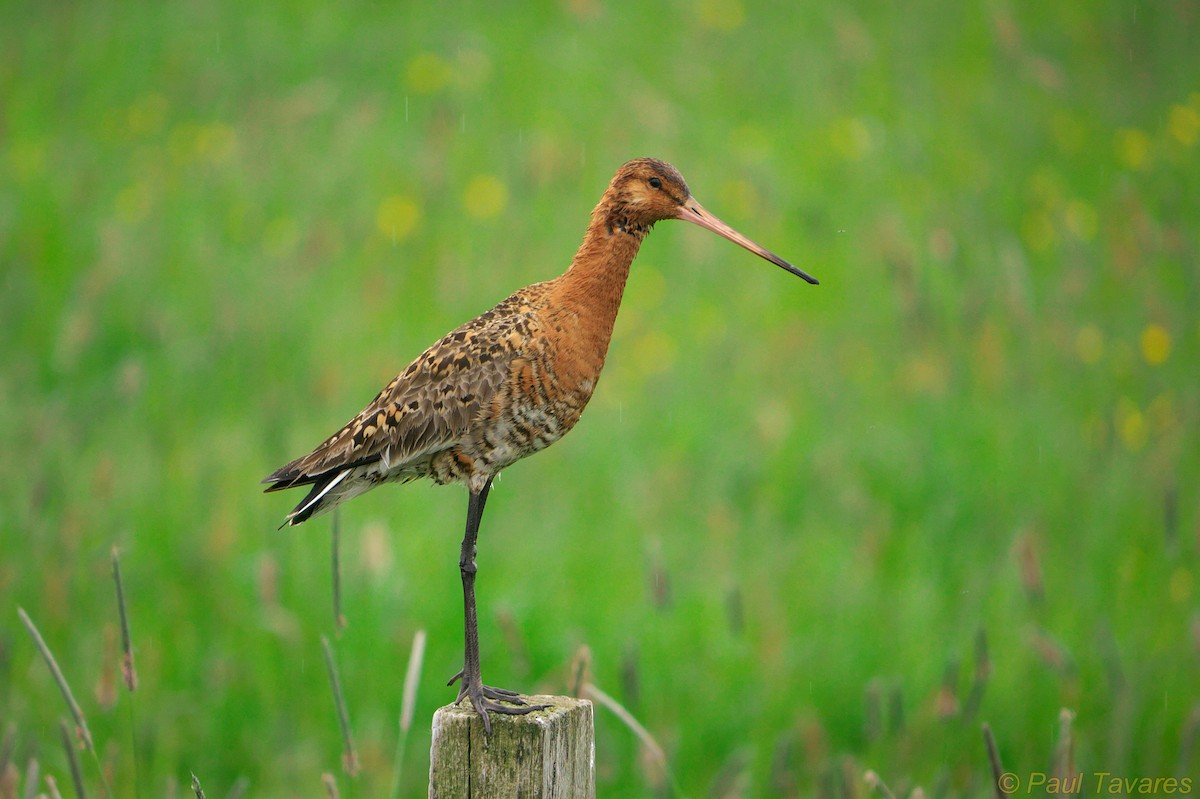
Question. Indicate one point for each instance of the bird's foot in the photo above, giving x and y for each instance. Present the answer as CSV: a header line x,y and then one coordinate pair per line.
x,y
485,697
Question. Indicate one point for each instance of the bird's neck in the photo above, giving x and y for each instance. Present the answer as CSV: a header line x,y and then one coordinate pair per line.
x,y
595,282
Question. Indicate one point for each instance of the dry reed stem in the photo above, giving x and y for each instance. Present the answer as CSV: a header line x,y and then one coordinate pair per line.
x,y
876,783
81,727
196,789
595,694
350,754
9,778
1050,650
1031,568
6,748
1064,752
128,670
52,786
412,676
581,666
993,753
331,789
946,701
32,773
72,761
629,678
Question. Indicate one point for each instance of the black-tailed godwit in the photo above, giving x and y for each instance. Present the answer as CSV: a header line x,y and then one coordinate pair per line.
x,y
506,384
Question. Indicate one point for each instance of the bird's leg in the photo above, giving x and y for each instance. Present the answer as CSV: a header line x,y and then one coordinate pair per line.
x,y
483,698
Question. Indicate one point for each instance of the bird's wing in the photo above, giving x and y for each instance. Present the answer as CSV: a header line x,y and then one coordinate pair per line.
x,y
427,407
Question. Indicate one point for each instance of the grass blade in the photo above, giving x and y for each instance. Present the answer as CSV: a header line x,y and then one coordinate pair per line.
x,y
81,727
72,761
993,753
350,755
128,670
648,741
32,772
876,783
412,676
339,619
7,746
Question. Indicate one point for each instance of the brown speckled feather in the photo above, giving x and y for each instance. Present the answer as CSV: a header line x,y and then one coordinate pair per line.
x,y
427,409
424,408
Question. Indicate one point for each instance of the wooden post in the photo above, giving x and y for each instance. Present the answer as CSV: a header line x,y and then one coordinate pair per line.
x,y
547,754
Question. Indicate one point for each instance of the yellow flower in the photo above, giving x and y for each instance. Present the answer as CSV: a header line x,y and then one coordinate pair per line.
x,y
486,196
428,73
1184,124
1156,344
1133,148
722,15
1131,425
397,217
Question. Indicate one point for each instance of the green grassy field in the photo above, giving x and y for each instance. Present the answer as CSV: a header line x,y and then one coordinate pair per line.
x,y
790,512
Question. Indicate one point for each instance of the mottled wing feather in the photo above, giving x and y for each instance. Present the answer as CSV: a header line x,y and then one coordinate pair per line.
x,y
426,408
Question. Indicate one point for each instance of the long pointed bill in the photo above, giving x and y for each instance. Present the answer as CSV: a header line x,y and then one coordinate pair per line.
x,y
693,211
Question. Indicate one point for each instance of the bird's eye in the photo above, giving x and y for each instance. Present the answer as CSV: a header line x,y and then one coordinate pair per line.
x,y
656,183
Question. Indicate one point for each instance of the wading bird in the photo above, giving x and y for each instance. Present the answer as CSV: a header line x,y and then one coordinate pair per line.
x,y
506,384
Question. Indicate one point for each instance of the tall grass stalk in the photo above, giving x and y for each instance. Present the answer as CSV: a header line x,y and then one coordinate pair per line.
x,y
32,772
339,619
81,727
1064,752
412,676
7,746
72,761
993,753
876,783
128,669
648,741
350,754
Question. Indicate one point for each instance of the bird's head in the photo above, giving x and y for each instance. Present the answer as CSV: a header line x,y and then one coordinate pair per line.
x,y
646,190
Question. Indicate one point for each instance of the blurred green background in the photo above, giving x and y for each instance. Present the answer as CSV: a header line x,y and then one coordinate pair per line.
x,y
804,531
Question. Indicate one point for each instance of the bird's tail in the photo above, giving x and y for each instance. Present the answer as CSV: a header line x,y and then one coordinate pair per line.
x,y
322,498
